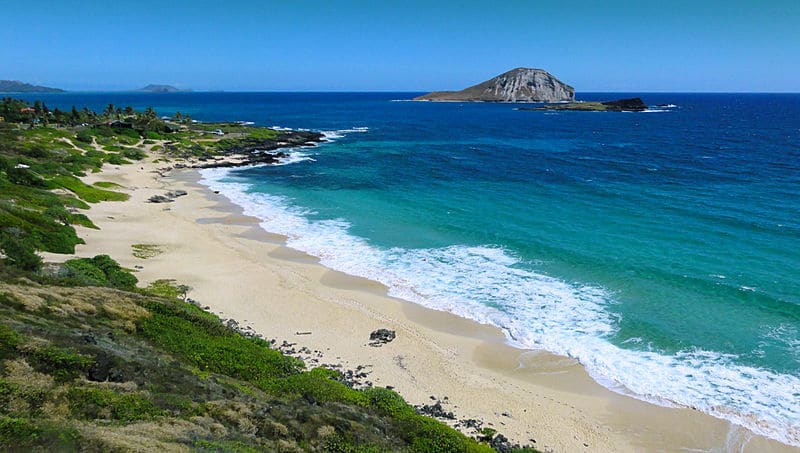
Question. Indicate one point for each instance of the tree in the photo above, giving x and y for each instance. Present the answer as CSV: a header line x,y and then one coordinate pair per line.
x,y
150,113
129,111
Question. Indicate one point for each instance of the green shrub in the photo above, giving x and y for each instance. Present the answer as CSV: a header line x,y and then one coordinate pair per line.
x,y
85,272
134,153
388,402
153,135
84,136
100,271
64,364
321,384
204,342
81,219
37,151
167,288
116,159
9,339
19,253
17,432
93,403
24,177
32,231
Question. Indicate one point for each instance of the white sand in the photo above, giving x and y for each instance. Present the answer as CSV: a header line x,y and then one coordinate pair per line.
x,y
241,272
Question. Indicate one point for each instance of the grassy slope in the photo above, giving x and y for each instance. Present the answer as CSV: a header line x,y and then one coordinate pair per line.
x,y
102,369
90,368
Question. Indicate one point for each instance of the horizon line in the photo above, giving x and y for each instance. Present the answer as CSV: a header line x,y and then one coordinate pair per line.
x,y
369,91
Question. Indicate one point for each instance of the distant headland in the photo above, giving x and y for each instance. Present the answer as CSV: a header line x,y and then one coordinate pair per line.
x,y
15,86
517,85
153,88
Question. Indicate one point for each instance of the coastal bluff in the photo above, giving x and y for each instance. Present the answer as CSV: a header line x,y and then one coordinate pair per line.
x,y
517,85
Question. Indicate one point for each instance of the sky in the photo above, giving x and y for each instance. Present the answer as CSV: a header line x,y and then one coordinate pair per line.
x,y
408,45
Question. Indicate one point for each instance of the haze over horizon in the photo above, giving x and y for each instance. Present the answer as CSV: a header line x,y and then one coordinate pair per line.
x,y
708,46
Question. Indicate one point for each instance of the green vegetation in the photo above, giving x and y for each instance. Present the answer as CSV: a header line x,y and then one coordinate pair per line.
x,y
107,184
86,192
88,361
167,288
97,368
99,271
145,251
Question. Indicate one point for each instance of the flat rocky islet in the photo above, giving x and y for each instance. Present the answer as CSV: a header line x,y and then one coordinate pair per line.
x,y
620,105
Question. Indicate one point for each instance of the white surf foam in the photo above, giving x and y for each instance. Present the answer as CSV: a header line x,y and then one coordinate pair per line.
x,y
489,285
339,133
293,158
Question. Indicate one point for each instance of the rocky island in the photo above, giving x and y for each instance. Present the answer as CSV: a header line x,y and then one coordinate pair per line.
x,y
517,85
15,86
153,88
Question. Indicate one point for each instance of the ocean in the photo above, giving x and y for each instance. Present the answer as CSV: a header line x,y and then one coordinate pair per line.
x,y
660,249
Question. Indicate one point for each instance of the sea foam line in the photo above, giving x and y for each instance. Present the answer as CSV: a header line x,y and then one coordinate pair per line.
x,y
490,285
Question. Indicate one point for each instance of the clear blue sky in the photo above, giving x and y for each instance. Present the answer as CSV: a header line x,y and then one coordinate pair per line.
x,y
407,45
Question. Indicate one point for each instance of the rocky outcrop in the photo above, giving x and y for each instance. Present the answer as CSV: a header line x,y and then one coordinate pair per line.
x,y
250,151
517,85
620,105
626,105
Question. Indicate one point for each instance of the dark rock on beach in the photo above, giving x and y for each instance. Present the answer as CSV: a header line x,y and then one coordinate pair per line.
x,y
168,197
159,199
381,336
437,411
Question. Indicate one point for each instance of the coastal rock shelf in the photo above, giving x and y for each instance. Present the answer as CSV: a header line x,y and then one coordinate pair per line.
x,y
620,105
256,150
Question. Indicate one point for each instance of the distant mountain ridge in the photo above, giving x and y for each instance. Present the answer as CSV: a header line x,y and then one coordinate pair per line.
x,y
15,86
154,88
516,85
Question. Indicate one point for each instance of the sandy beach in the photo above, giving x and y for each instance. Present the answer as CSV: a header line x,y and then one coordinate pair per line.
x,y
242,272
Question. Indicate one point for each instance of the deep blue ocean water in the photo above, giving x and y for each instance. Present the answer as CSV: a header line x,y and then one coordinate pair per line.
x,y
661,249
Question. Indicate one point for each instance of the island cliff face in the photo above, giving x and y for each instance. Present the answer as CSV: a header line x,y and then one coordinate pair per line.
x,y
517,85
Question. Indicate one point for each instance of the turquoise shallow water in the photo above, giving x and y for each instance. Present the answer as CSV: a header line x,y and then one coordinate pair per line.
x,y
661,249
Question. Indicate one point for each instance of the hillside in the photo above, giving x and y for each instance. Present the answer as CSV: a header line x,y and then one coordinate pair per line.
x,y
15,86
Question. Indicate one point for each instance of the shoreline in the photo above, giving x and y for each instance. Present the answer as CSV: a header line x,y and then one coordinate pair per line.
x,y
229,261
